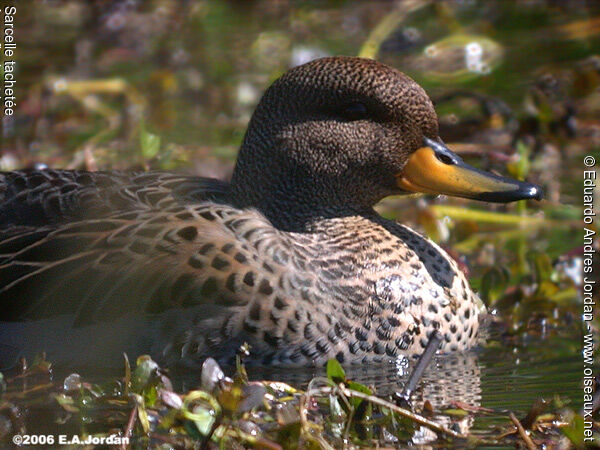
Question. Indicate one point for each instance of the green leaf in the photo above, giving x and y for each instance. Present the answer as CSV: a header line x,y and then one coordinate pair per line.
x,y
204,420
149,143
151,396
520,168
143,374
456,412
142,413
67,403
574,431
335,372
360,388
201,408
461,213
542,266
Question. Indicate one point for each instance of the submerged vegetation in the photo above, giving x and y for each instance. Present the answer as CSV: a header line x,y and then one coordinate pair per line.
x,y
517,89
332,412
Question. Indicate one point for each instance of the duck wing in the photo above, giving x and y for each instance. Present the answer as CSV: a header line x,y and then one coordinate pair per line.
x,y
44,197
99,245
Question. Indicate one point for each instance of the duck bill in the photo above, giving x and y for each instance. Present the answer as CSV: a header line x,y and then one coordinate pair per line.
x,y
434,169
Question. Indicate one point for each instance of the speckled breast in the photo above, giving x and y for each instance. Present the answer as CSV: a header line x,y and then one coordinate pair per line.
x,y
358,289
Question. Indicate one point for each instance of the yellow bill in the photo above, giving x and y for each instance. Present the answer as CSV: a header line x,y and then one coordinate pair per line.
x,y
434,169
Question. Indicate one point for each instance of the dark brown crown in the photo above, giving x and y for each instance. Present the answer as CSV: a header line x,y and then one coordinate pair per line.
x,y
328,137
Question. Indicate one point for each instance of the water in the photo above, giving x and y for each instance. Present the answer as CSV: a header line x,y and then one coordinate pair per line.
x,y
497,377
489,382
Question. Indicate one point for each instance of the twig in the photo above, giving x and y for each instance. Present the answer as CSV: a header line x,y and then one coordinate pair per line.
x,y
461,213
306,424
27,391
390,22
332,388
432,347
349,423
403,412
528,442
130,423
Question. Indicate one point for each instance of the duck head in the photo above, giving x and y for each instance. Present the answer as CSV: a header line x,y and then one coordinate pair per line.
x,y
336,135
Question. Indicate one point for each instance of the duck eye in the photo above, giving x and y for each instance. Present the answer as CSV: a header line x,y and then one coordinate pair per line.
x,y
354,111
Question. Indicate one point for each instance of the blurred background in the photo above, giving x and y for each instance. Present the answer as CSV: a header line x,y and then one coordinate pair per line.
x,y
89,72
171,85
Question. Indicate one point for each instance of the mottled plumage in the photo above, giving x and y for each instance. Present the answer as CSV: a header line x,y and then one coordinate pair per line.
x,y
290,257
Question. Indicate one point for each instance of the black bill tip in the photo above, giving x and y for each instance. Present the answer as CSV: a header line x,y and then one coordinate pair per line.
x,y
535,192
523,191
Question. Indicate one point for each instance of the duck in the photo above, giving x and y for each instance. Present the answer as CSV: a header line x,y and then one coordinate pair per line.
x,y
288,260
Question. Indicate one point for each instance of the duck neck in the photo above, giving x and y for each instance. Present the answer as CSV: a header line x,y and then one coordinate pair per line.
x,y
292,198
292,206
